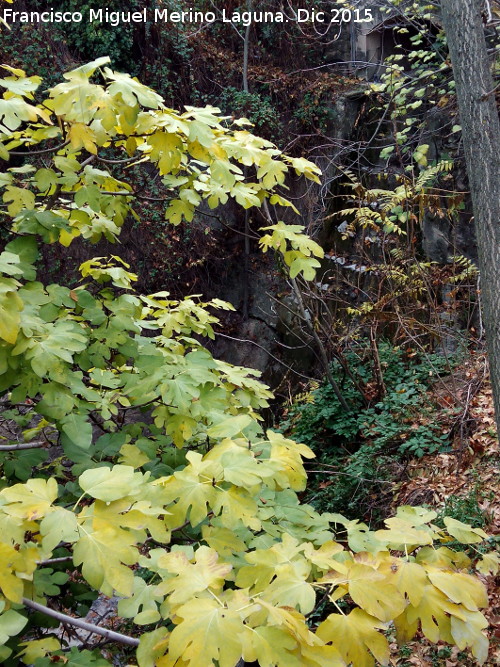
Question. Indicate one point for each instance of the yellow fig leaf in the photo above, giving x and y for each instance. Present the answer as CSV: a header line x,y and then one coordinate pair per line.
x,y
207,572
460,588
82,136
299,449
10,310
443,558
242,469
103,555
13,529
271,646
319,656
31,500
109,485
356,637
61,525
417,516
152,647
402,533
291,590
324,557
10,561
272,173
177,210
236,506
265,564
166,150
223,540
291,620
405,630
409,578
466,631
193,488
374,592
360,539
19,198
220,171
230,427
433,613
131,455
14,111
11,624
463,532
302,166
206,631
132,91
143,599
305,265
117,516
293,474
67,237
38,648
166,661
489,563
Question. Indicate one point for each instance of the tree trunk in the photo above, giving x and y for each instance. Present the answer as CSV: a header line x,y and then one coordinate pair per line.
x,y
463,24
246,49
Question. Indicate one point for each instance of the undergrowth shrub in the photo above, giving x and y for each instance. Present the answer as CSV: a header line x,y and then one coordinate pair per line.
x,y
93,39
256,107
357,450
467,508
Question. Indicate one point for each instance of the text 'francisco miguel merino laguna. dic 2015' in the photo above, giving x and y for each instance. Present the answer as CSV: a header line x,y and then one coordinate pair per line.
x,y
116,18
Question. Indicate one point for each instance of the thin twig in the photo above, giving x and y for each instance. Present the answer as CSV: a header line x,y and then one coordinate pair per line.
x,y
40,152
252,342
51,561
321,348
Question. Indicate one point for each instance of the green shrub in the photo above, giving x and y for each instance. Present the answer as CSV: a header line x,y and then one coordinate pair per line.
x,y
254,106
465,508
355,449
90,40
315,112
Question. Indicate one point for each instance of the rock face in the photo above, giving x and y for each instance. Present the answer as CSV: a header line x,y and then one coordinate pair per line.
x,y
254,341
269,335
362,45
269,327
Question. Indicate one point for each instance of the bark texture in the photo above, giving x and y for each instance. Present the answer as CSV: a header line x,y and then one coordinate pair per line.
x,y
463,24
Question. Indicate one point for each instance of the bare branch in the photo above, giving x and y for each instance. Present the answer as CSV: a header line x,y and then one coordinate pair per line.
x,y
23,445
252,342
51,561
40,152
83,625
